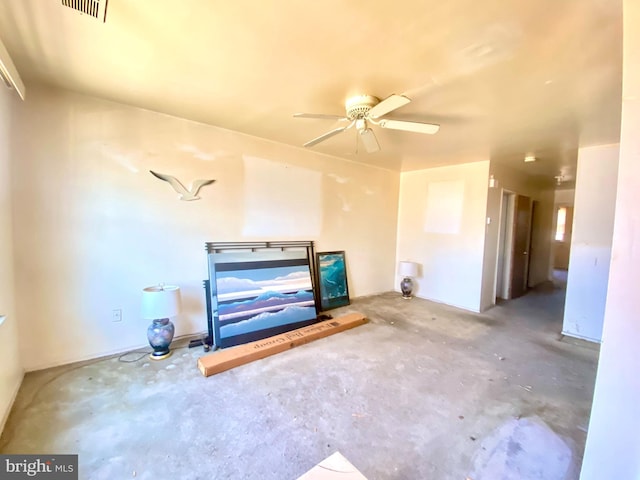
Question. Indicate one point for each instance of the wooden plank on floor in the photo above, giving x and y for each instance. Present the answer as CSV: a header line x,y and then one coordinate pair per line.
x,y
222,360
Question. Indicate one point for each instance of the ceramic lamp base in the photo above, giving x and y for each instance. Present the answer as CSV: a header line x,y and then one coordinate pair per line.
x,y
406,286
160,334
153,355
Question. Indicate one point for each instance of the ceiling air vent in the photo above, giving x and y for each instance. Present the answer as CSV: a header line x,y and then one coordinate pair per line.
x,y
94,8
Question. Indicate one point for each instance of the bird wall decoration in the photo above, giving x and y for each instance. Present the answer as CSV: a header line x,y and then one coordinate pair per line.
x,y
186,195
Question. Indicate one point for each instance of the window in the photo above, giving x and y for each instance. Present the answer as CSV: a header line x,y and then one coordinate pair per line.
x,y
561,223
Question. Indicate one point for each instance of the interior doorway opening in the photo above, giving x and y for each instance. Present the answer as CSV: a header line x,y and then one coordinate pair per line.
x,y
514,244
562,236
505,240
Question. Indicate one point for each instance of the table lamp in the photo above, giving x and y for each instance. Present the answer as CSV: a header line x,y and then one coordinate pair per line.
x,y
407,270
158,304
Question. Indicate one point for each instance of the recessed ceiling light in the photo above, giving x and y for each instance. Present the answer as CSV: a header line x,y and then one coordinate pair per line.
x,y
530,158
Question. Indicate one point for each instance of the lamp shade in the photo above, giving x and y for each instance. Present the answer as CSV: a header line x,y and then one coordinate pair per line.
x,y
161,301
408,269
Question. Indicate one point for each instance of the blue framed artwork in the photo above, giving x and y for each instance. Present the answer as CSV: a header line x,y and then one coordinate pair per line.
x,y
259,294
332,280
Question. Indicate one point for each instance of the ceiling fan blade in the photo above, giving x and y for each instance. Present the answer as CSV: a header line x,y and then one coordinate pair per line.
x,y
369,140
324,136
417,127
389,104
319,115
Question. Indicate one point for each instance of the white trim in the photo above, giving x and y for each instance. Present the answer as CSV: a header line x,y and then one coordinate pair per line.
x,y
8,72
580,337
104,355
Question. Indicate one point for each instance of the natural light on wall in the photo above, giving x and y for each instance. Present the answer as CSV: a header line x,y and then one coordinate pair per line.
x,y
281,200
445,202
560,225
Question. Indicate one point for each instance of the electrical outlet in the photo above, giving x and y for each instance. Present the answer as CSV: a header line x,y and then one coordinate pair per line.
x,y
116,315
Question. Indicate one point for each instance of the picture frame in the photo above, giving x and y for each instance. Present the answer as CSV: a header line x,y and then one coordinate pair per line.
x,y
259,290
332,280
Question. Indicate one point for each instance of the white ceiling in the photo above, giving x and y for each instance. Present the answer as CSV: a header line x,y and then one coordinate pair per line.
x,y
503,78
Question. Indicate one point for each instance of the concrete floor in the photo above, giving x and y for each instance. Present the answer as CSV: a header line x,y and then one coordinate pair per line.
x,y
423,391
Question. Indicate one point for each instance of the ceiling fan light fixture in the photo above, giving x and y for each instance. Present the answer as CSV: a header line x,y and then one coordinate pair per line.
x,y
369,140
359,106
389,104
327,135
416,127
365,110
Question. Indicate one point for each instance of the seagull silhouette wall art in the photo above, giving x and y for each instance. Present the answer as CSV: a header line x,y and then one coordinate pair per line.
x,y
186,195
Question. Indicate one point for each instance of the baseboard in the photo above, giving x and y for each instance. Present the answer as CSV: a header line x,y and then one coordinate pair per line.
x,y
440,302
104,355
84,358
14,395
567,337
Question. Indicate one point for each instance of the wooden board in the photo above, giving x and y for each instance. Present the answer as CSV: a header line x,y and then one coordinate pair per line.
x,y
232,357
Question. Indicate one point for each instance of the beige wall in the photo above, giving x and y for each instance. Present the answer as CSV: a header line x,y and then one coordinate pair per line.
x,y
514,181
613,441
93,226
10,365
441,226
590,255
564,196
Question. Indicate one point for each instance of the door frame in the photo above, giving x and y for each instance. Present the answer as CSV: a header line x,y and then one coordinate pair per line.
x,y
504,265
521,256
502,283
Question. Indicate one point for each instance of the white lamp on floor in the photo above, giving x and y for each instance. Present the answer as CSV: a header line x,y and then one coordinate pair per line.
x,y
159,303
407,271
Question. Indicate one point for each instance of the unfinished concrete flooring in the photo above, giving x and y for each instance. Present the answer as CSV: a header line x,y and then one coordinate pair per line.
x,y
423,391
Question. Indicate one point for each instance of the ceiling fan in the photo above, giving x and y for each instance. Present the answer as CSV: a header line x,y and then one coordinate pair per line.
x,y
365,110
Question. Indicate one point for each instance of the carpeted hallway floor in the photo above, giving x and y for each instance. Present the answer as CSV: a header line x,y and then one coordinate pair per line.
x,y
423,391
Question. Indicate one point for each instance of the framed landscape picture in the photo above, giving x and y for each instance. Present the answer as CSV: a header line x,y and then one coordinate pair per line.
x,y
260,294
332,280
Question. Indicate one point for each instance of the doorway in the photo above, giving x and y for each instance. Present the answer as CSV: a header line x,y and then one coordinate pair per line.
x,y
562,237
513,246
